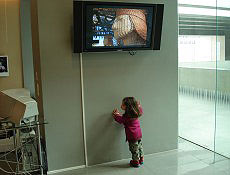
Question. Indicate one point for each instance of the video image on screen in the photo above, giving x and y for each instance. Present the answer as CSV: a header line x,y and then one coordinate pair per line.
x,y
118,27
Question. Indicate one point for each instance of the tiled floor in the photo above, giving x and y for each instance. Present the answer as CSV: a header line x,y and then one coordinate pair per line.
x,y
189,159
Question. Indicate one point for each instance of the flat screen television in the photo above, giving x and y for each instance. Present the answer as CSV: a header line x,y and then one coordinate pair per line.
x,y
113,26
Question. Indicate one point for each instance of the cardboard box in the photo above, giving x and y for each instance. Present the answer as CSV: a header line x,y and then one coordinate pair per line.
x,y
11,108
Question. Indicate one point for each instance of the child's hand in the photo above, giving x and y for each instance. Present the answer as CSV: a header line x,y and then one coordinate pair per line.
x,y
140,107
116,112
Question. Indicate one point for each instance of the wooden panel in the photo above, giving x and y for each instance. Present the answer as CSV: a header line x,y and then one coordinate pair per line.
x,y
11,43
37,64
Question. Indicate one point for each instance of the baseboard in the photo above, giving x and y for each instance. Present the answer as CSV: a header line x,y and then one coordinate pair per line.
x,y
115,161
66,169
83,166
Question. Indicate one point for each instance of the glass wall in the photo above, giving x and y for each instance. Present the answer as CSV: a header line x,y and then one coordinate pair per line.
x,y
222,135
204,79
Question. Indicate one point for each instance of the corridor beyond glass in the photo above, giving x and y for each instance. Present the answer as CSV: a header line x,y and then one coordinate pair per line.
x,y
204,73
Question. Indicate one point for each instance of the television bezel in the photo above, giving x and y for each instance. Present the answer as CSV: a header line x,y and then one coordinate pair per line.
x,y
80,30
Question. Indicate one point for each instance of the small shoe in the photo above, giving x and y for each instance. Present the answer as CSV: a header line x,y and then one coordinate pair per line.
x,y
134,163
141,161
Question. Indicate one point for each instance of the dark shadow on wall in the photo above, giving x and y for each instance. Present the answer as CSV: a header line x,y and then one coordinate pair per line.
x,y
104,142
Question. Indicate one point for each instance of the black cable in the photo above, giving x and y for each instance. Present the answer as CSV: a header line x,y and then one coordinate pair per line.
x,y
132,52
36,149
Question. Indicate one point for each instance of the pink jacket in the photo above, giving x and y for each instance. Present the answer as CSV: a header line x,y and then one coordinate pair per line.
x,y
132,127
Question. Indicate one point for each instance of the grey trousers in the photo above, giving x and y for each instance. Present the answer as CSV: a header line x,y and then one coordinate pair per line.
x,y
136,149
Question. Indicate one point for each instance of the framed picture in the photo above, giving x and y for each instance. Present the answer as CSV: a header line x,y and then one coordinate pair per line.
x,y
4,66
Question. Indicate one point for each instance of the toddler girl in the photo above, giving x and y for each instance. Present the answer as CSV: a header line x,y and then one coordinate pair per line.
x,y
129,119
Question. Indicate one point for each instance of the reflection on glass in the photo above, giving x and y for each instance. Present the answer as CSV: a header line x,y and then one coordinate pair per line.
x,y
197,74
222,137
200,48
203,11
210,3
204,73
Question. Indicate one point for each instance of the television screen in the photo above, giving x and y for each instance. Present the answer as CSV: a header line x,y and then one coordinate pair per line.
x,y
116,26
